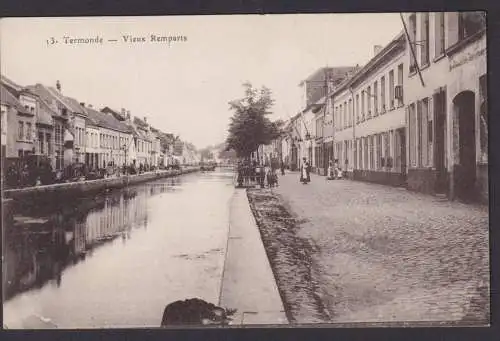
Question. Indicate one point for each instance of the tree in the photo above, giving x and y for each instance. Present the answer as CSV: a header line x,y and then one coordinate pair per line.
x,y
250,126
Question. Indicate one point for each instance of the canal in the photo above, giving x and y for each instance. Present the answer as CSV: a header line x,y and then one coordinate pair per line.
x,y
116,260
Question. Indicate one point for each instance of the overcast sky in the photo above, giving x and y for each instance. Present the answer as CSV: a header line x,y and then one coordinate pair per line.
x,y
185,87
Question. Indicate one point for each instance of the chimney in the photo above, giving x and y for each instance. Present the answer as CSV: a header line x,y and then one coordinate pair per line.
x,y
90,106
128,115
145,120
58,86
377,49
82,104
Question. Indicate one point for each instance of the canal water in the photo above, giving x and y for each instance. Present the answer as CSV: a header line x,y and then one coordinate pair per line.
x,y
118,259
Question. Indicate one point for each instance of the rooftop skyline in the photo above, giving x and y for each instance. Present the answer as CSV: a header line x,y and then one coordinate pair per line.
x,y
184,87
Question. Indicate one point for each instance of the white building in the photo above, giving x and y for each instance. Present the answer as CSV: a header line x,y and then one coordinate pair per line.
x,y
369,118
446,99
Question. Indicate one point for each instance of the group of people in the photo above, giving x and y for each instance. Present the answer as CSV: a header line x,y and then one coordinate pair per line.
x,y
251,173
334,171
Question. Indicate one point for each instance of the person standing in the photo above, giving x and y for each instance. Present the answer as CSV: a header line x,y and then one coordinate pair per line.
x,y
305,172
282,166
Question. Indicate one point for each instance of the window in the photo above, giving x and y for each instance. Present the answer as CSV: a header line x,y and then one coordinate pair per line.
x,y
423,133
21,130
413,34
470,23
28,131
387,151
372,154
365,153
379,151
48,137
483,119
346,113
58,132
357,108
391,89
400,82
375,98
41,144
412,134
341,124
424,38
369,102
351,114
362,106
439,34
382,93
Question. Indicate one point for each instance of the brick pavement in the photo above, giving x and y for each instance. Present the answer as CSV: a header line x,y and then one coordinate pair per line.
x,y
385,254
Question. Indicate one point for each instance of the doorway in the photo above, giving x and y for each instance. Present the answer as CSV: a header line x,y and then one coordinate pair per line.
x,y
402,146
441,185
465,171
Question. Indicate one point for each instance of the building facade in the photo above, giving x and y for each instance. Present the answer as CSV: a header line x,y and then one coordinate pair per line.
x,y
446,108
369,118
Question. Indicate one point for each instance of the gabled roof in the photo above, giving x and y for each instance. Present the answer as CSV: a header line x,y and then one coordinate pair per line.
x,y
7,98
114,112
9,83
106,121
76,107
47,94
332,72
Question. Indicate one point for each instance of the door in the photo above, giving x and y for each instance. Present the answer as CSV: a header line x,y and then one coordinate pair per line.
x,y
402,146
441,185
465,177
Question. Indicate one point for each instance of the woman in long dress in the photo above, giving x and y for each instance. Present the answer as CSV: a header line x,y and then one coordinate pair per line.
x,y
304,172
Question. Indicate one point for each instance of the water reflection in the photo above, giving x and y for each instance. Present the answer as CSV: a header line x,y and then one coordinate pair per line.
x,y
41,242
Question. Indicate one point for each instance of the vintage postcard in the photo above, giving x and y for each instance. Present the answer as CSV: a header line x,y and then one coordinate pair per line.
x,y
245,170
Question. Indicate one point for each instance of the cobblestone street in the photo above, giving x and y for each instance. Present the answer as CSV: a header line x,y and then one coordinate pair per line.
x,y
383,254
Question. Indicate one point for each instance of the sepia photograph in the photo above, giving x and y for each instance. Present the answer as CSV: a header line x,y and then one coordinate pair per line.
x,y
229,171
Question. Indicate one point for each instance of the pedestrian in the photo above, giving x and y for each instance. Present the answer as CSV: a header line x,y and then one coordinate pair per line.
x,y
282,168
331,170
305,172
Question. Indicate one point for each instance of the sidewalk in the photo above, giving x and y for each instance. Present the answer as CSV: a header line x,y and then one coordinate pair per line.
x,y
248,283
384,254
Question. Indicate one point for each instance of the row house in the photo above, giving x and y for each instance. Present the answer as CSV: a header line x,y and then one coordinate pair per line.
x,y
369,118
317,126
414,115
446,104
109,141
143,141
68,125
157,155
20,107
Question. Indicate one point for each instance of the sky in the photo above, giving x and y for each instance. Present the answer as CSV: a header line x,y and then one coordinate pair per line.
x,y
184,86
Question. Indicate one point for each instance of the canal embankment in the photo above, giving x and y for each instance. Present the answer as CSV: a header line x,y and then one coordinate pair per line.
x,y
77,189
248,283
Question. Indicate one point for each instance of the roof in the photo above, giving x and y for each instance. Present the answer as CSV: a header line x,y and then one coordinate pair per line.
x,y
398,41
76,107
333,73
106,120
9,83
6,97
47,94
114,112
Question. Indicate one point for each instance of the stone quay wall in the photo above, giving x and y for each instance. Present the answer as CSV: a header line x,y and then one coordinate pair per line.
x,y
71,190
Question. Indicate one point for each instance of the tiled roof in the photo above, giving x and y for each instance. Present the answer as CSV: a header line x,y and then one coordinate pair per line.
x,y
9,83
76,107
6,97
47,94
106,120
